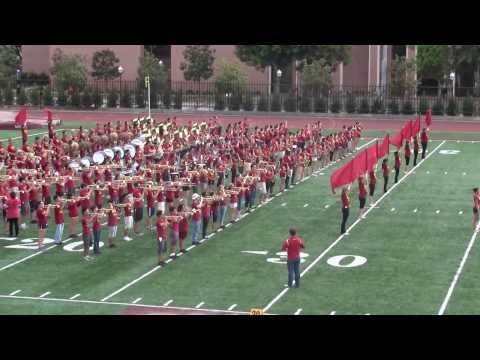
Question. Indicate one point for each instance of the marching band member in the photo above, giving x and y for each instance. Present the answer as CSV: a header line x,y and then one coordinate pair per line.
x,y
86,233
97,230
138,211
386,172
196,218
72,207
397,165
42,216
345,208
407,152
161,226
112,223
362,194
59,220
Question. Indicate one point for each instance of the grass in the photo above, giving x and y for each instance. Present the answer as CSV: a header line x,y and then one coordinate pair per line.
x,y
411,257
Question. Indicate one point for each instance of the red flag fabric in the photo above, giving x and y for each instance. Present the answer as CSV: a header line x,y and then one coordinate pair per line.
x,y
21,117
385,147
359,164
428,117
49,115
342,176
407,130
372,156
416,126
397,140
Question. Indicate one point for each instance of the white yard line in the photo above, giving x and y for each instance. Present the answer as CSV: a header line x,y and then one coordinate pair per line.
x,y
190,247
458,273
168,302
15,292
115,303
199,305
460,212
136,300
74,296
298,312
437,212
314,262
415,210
45,294
232,307
305,205
131,283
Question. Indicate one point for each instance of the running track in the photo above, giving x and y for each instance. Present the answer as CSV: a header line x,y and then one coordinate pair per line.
x,y
294,121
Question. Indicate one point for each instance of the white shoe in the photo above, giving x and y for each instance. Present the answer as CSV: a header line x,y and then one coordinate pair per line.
x,y
141,234
126,238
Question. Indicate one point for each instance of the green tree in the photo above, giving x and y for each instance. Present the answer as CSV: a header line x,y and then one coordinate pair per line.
x,y
469,55
69,71
198,64
316,78
432,63
105,65
281,56
9,62
401,77
149,65
231,78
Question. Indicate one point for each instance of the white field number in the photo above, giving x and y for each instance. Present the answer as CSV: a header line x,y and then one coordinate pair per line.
x,y
29,244
282,258
339,261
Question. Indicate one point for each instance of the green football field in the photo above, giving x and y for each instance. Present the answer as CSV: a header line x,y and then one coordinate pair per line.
x,y
414,252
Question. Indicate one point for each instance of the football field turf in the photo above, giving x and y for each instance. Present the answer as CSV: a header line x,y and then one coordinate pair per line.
x,y
401,258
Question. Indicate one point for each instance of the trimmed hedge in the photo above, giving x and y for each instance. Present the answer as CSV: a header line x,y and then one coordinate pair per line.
x,y
125,99
393,107
166,99
140,99
8,96
22,97
351,105
62,98
306,104
112,99
320,105
452,108
87,98
335,106
290,103
423,106
364,106
262,104
235,102
219,102
178,104
248,104
276,104
437,108
377,106
35,98
407,108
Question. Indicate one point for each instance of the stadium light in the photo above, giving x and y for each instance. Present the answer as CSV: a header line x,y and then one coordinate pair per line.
x,y
160,62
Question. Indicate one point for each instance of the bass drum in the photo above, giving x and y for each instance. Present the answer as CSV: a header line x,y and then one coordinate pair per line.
x,y
118,148
86,162
130,148
109,153
98,157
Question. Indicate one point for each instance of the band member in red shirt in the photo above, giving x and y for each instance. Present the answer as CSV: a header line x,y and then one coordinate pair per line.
x,y
59,220
372,181
112,223
292,246
42,216
161,226
424,141
72,207
138,211
407,152
476,206
415,150
386,173
183,228
397,165
362,194
86,233
345,207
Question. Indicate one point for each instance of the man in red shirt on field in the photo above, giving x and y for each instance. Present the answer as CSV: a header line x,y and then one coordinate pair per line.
x,y
397,165
292,246
424,141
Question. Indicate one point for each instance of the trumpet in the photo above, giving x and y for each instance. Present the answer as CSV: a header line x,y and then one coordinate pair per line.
x,y
174,218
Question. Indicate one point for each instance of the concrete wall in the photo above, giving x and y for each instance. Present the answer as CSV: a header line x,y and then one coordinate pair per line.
x,y
38,58
221,52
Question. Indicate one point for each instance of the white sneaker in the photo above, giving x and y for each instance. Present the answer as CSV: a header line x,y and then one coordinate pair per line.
x,y
126,238
141,234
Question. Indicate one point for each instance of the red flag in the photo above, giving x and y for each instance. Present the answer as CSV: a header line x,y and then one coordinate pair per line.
x,y
21,117
428,117
342,176
407,130
385,147
397,140
416,126
372,156
359,164
49,115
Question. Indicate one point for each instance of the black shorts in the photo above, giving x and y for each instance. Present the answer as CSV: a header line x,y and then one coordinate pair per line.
x,y
33,205
137,214
475,210
362,202
42,226
215,215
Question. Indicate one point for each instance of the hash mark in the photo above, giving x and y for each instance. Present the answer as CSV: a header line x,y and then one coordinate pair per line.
x,y
74,296
136,300
232,307
168,302
15,292
199,305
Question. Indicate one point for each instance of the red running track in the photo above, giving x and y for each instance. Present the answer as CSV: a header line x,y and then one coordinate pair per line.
x,y
262,120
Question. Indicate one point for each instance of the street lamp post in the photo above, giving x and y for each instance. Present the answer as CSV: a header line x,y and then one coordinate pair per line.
x,y
120,71
452,77
279,75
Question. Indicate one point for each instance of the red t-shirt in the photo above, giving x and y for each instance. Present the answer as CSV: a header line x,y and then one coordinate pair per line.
x,y
72,209
184,225
13,208
385,169
372,178
85,202
42,216
85,228
96,223
128,210
138,203
362,190
150,199
345,200
59,218
205,211
161,229
112,218
196,215
292,246
397,162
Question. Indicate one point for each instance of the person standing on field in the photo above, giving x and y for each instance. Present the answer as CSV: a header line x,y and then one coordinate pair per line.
x,y
408,152
362,195
424,141
476,206
292,246
13,213
345,208
372,181
398,162
415,150
386,173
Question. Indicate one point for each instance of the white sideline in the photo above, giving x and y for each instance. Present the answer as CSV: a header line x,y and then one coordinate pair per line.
x,y
284,291
458,273
116,303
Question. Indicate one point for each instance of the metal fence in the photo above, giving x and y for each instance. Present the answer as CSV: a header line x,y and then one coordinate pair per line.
x,y
208,96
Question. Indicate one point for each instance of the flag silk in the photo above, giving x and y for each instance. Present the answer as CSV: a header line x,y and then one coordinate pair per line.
x,y
359,164
342,176
372,156
397,140
21,117
384,147
49,115
428,117
407,130
416,126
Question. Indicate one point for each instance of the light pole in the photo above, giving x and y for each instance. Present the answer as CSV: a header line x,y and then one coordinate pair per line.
x,y
452,77
279,75
120,71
